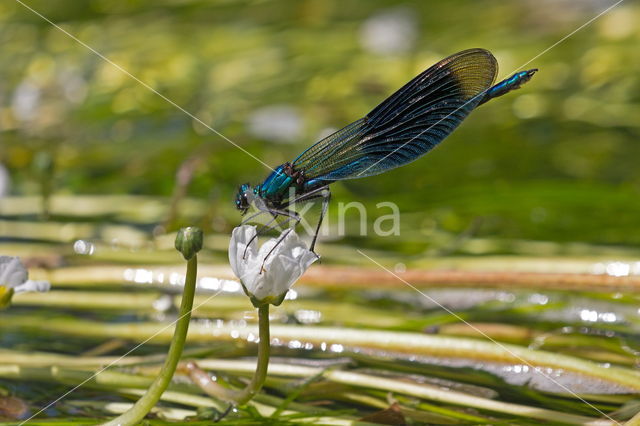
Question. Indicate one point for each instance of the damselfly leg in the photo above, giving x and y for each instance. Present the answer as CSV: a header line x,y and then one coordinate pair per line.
x,y
253,216
282,237
322,192
264,228
325,207
268,226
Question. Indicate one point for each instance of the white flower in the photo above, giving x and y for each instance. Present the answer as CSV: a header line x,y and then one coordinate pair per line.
x,y
13,279
267,281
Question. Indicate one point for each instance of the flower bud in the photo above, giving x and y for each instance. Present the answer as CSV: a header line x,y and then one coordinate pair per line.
x,y
189,241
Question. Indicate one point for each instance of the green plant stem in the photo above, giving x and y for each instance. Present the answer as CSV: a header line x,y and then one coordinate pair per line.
x,y
350,379
423,390
401,342
263,358
495,272
136,385
212,388
140,409
634,421
227,307
166,413
437,394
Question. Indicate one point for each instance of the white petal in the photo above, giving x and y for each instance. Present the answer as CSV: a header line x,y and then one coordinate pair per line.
x,y
261,287
38,286
266,249
291,260
12,272
238,245
253,279
306,259
281,274
245,234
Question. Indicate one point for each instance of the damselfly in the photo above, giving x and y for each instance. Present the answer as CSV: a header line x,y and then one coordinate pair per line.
x,y
401,129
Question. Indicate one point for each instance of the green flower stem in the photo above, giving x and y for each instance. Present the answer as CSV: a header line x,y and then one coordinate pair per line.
x,y
264,346
213,389
160,384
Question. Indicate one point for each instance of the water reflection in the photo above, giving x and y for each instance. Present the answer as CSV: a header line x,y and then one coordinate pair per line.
x,y
306,316
163,303
176,279
595,316
539,299
616,268
217,284
84,247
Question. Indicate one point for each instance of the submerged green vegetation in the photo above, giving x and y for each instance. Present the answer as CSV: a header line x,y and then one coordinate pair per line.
x,y
523,224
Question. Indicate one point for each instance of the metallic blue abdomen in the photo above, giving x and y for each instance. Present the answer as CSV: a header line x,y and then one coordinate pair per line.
x,y
508,84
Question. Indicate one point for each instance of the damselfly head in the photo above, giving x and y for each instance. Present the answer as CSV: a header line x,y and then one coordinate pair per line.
x,y
244,197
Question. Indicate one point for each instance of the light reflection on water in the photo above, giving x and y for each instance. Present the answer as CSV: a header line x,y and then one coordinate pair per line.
x,y
589,315
580,310
204,283
295,344
539,299
586,310
306,316
616,268
175,279
560,307
163,303
217,284
83,247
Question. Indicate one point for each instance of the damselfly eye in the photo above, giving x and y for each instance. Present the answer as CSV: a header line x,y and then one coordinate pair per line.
x,y
242,203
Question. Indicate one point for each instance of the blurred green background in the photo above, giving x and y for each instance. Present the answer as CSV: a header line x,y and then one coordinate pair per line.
x,y
554,161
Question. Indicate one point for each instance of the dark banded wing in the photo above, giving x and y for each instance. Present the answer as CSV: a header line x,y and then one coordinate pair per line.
x,y
406,125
